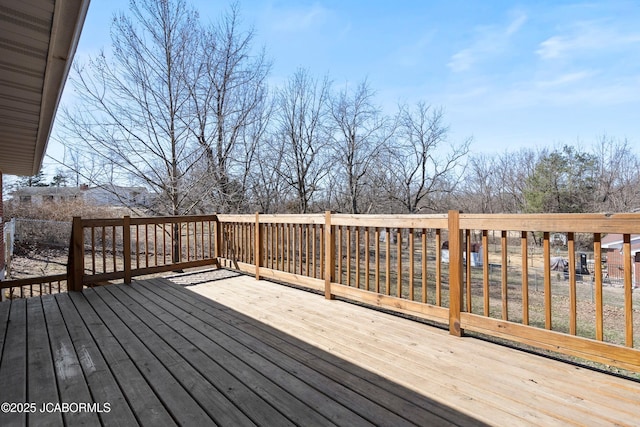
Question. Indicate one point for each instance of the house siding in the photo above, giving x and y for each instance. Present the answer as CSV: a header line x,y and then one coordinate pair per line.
x,y
2,246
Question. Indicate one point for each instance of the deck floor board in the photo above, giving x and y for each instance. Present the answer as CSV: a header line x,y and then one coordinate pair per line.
x,y
200,349
101,381
393,398
40,359
321,389
298,400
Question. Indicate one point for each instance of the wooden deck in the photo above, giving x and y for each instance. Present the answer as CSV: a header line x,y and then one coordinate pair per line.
x,y
204,350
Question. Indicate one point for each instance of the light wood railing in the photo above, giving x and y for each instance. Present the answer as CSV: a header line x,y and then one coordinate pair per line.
x,y
398,263
488,274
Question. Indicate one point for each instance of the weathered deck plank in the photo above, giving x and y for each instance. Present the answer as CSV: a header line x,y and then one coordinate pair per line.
x,y
72,385
39,359
203,392
142,399
13,367
101,381
238,394
180,404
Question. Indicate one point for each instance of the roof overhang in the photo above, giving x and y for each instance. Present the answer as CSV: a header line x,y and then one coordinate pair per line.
x,y
37,42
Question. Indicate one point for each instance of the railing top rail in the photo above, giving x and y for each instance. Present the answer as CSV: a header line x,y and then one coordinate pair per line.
x,y
274,218
15,283
172,219
108,222
363,220
400,221
604,223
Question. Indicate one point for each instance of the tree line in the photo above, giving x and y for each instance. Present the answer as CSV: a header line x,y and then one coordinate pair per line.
x,y
185,109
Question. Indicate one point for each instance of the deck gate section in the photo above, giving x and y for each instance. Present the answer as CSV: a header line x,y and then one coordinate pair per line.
x,y
110,249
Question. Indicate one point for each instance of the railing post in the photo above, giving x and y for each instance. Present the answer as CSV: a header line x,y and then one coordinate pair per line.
x,y
257,248
329,254
218,236
76,268
126,249
455,273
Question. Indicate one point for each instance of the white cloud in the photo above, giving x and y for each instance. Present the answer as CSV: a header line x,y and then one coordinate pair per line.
x,y
490,41
299,19
566,79
584,38
462,60
516,24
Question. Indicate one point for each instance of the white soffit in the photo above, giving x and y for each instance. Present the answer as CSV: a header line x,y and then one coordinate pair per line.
x,y
38,39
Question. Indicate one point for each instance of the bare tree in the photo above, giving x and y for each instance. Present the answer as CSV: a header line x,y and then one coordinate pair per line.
x,y
133,109
423,165
301,119
359,134
617,176
229,95
479,192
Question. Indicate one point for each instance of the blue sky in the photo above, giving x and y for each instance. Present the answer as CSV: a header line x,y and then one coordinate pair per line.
x,y
509,74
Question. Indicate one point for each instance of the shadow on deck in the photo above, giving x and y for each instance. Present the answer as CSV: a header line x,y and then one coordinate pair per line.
x,y
157,353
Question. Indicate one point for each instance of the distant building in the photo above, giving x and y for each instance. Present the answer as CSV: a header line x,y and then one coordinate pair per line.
x,y
115,196
612,249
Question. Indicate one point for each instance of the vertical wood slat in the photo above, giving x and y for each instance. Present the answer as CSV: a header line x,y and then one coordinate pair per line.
x,y
547,280
162,256
258,246
314,239
485,273
339,243
155,244
377,260
329,255
468,270
93,250
411,263
572,283
348,250
438,268
628,290
505,276
104,249
195,240
291,236
137,246
146,245
307,250
202,239
277,246
525,277
367,258
126,248
357,237
323,245
425,275
455,273
399,260
297,249
597,255
387,273
114,248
